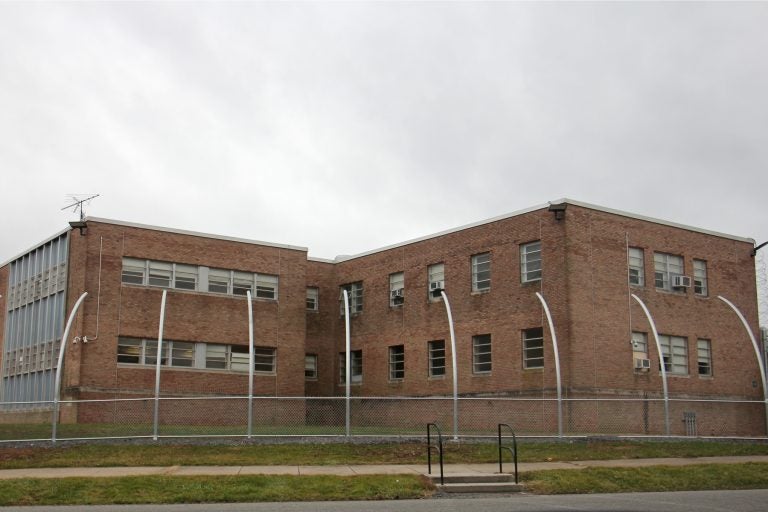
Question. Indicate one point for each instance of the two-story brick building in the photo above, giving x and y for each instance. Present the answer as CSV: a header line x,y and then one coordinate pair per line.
x,y
584,261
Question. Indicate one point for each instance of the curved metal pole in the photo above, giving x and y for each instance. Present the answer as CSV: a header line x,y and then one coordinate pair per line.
x,y
557,365
347,365
661,361
250,363
455,370
60,365
157,365
755,345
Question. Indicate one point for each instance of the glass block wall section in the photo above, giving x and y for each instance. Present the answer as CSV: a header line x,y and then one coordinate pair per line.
x,y
34,323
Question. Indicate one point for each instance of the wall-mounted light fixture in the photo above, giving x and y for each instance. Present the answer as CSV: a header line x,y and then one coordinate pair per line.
x,y
81,225
558,210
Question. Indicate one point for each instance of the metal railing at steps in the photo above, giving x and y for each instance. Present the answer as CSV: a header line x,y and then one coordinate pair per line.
x,y
438,447
512,449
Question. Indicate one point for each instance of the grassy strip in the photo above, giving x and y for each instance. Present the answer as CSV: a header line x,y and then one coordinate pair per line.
x,y
105,455
203,489
648,479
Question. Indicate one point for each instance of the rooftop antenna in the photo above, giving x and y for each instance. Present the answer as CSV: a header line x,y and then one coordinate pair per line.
x,y
77,203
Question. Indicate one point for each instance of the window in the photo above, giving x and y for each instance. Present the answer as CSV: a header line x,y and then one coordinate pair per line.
x,y
129,350
239,357
676,361
182,354
310,366
481,353
700,278
218,280
704,356
533,348
312,299
636,267
356,365
665,267
160,274
133,271
185,277
264,359
216,356
530,262
397,362
266,286
355,293
396,289
150,353
242,283
640,345
436,358
436,276
481,272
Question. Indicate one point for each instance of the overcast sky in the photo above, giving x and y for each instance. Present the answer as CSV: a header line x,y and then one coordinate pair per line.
x,y
344,127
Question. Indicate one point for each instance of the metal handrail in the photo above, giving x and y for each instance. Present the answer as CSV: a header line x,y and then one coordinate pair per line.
x,y
512,450
439,448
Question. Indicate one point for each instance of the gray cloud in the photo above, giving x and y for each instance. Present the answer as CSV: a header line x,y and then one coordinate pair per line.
x,y
344,127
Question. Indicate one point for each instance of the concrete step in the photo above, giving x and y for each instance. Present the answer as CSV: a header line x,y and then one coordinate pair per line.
x,y
487,487
467,478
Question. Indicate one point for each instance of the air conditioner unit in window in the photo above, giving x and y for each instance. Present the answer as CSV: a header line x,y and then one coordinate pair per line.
x,y
681,282
642,364
436,285
397,293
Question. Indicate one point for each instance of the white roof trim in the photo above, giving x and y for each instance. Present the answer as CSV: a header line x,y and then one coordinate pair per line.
x,y
654,220
339,259
342,258
320,260
196,233
589,206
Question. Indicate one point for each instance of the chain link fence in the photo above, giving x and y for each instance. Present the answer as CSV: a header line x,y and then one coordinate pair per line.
x,y
374,416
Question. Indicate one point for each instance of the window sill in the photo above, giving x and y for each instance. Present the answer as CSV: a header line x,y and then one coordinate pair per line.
x,y
681,293
191,369
396,382
481,375
197,292
531,282
538,369
436,377
480,292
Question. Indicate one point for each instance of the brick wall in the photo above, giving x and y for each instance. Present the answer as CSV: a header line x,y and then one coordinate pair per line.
x,y
131,310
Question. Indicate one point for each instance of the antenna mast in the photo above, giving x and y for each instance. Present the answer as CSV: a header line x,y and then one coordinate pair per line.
x,y
77,203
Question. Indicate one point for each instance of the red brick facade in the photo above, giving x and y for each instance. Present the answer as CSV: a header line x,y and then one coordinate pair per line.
x,y
584,282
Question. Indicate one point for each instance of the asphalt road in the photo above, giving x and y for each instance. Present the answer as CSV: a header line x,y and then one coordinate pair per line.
x,y
701,501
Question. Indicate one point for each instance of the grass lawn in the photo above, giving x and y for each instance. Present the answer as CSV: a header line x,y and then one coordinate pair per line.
x,y
219,489
648,479
104,455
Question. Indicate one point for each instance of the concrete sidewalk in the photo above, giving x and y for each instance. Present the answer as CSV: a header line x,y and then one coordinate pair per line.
x,y
348,470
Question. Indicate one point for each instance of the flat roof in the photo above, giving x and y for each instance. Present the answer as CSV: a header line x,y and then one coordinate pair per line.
x,y
342,258
196,233
589,206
